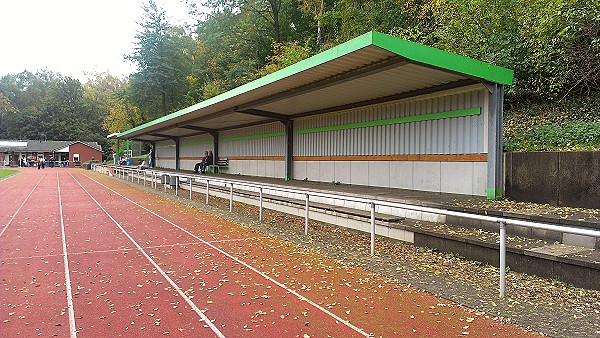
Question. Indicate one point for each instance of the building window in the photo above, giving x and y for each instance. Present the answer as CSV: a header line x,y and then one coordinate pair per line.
x,y
75,157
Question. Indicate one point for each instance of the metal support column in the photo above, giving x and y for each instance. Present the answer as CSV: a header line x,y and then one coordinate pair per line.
x,y
289,149
306,216
260,204
215,136
176,140
231,197
207,192
495,179
372,229
502,259
118,154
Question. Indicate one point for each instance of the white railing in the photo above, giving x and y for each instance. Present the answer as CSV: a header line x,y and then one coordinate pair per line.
x,y
123,172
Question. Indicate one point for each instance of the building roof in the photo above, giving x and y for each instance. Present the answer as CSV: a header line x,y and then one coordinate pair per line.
x,y
41,146
370,69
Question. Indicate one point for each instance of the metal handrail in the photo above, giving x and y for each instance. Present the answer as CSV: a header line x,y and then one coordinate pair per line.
x,y
307,194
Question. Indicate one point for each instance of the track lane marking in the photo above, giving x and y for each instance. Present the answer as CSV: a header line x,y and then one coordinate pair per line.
x,y
72,326
162,272
283,286
21,206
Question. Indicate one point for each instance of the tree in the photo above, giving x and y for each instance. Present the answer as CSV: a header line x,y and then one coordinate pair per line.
x,y
162,57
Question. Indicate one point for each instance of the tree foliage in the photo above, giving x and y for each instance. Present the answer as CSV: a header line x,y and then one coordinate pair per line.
x,y
161,55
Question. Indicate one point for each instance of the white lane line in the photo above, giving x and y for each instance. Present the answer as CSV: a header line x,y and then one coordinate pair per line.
x,y
283,286
21,206
73,328
162,272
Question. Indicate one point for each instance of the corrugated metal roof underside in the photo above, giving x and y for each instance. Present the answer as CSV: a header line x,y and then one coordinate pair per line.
x,y
362,75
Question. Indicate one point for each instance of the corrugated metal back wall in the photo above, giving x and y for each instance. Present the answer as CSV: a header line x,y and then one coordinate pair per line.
x,y
253,147
463,135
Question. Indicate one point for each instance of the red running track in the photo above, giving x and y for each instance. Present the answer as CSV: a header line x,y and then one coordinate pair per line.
x,y
84,255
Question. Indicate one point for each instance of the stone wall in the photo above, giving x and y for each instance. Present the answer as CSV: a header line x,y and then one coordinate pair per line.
x,y
556,178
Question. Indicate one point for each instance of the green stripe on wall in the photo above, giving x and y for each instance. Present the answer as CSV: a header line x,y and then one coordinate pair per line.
x,y
250,137
405,119
193,143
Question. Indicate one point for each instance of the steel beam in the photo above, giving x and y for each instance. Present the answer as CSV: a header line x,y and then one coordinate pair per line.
x,y
264,113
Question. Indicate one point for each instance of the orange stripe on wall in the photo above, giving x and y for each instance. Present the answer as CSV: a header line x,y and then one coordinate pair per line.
x,y
429,158
423,158
262,158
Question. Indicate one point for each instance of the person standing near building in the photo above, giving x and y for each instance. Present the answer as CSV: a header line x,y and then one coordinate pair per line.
x,y
150,159
114,158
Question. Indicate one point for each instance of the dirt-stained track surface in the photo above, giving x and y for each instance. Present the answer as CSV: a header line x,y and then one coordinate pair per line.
x,y
84,255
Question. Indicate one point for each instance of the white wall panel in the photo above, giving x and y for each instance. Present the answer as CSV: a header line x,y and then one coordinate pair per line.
x,y
260,146
379,173
427,176
359,171
165,154
463,135
456,177
195,146
402,174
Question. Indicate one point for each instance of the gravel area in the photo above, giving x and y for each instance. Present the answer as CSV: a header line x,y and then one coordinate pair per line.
x,y
547,306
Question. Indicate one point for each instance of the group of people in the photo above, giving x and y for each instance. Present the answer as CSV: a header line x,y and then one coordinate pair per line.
x,y
41,163
200,167
143,164
207,160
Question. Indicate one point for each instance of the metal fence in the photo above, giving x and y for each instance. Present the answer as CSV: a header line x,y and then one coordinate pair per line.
x,y
155,176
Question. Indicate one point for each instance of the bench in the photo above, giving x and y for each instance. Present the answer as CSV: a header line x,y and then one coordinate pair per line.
x,y
220,164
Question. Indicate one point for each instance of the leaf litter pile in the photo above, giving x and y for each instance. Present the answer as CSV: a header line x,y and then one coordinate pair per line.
x,y
548,306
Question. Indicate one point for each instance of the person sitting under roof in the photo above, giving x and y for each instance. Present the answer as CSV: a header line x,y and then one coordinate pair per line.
x,y
142,165
200,164
208,160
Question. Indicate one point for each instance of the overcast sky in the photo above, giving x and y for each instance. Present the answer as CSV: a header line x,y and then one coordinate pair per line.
x,y
73,36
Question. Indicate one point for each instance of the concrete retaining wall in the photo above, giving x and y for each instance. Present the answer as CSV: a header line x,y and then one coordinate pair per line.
x,y
557,178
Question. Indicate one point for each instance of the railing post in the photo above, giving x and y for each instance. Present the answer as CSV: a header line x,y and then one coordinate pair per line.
x,y
260,204
177,187
306,216
144,178
372,228
502,259
190,178
231,197
207,191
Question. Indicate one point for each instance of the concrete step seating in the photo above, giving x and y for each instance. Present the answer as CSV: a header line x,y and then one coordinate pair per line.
x,y
543,253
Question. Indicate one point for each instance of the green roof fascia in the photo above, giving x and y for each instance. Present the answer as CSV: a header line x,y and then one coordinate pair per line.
x,y
323,57
441,59
407,49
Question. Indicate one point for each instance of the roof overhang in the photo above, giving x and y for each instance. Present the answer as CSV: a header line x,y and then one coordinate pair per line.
x,y
370,69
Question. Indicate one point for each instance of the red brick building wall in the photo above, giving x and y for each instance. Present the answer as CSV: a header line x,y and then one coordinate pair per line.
x,y
85,153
